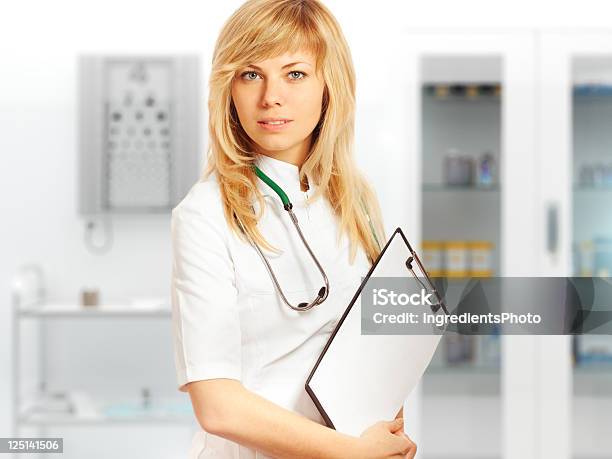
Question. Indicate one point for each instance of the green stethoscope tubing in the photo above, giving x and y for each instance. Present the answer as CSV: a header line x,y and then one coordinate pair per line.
x,y
285,199
272,184
288,206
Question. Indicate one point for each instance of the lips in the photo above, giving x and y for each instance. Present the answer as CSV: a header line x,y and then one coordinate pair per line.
x,y
274,121
274,125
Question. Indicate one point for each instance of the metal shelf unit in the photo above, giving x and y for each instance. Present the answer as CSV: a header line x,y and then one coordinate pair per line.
x,y
29,411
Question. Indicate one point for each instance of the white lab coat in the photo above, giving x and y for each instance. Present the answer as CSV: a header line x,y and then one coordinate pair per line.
x,y
229,321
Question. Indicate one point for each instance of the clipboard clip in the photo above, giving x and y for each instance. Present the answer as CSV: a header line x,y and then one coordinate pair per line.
x,y
432,288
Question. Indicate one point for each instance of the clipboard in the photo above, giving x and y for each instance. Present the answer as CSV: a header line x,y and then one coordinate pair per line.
x,y
358,379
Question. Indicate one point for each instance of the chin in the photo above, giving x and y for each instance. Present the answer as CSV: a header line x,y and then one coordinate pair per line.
x,y
274,144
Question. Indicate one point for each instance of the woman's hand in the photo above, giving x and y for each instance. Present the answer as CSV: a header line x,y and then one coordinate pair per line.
x,y
386,439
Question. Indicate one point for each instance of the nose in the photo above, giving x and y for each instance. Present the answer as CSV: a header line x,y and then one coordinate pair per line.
x,y
272,93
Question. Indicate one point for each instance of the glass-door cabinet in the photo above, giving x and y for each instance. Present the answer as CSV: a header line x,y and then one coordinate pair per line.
x,y
576,100
470,146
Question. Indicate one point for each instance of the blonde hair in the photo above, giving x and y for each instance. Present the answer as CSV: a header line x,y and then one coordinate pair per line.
x,y
263,29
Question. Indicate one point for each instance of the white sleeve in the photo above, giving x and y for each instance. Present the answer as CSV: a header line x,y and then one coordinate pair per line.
x,y
205,320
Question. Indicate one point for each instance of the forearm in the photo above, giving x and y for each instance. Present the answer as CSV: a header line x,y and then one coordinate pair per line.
x,y
257,423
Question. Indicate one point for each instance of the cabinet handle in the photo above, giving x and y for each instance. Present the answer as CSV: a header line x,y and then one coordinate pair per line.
x,y
552,228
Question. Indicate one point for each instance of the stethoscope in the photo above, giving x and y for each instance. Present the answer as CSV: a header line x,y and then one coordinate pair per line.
x,y
323,291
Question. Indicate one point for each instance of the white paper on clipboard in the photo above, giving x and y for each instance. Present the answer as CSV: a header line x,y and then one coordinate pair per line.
x,y
362,379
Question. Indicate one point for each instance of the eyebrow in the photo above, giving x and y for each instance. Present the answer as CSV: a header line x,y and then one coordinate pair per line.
x,y
284,66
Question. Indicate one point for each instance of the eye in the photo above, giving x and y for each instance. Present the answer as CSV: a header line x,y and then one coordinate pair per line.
x,y
248,75
297,75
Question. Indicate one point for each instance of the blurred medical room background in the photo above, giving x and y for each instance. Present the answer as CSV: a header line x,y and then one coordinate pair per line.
x,y
485,128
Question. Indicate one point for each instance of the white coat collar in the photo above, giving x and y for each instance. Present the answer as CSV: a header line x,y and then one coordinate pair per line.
x,y
286,175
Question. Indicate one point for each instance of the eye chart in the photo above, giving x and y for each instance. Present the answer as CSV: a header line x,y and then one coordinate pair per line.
x,y
140,132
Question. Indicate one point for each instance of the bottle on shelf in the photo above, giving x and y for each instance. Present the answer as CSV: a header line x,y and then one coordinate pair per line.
x,y
486,170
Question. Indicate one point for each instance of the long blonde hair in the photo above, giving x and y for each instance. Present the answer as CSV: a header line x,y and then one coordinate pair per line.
x,y
262,29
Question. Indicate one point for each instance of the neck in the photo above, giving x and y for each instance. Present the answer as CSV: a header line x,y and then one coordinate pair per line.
x,y
295,155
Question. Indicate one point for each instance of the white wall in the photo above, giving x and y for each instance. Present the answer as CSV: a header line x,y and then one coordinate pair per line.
x,y
39,42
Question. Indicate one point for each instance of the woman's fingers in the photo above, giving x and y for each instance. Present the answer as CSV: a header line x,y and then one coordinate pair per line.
x,y
396,425
413,448
410,447
405,446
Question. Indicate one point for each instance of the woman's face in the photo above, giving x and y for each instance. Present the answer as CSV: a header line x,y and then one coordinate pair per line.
x,y
279,102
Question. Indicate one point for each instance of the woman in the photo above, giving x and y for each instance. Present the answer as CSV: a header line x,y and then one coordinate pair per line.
x,y
282,97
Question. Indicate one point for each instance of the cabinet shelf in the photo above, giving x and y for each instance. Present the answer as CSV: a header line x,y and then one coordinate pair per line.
x,y
463,369
83,409
593,188
111,310
440,187
599,368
